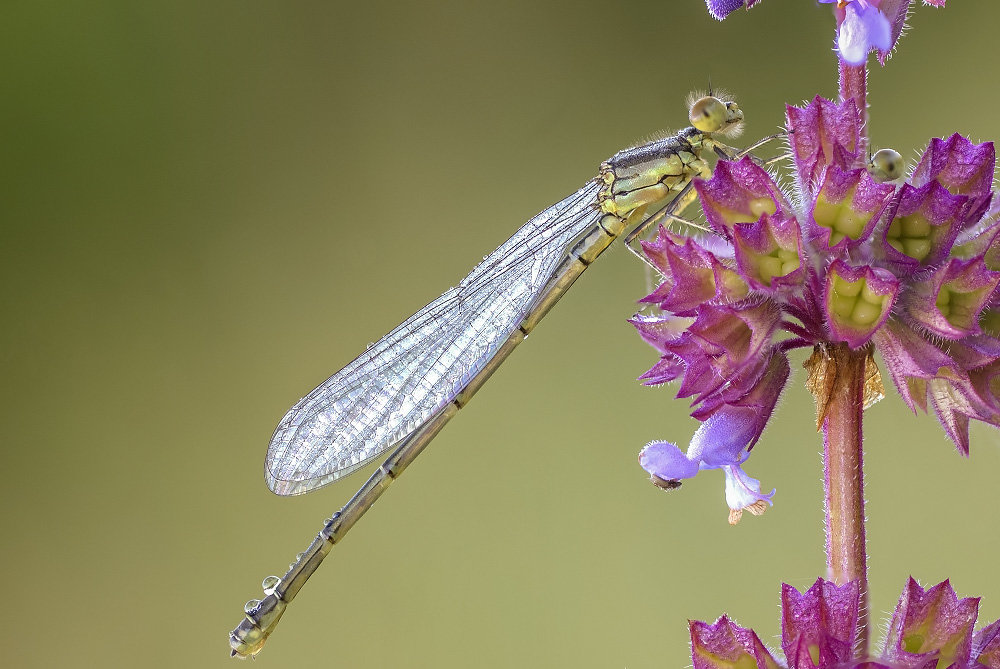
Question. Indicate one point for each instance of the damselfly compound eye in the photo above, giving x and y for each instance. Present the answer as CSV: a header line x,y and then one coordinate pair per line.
x,y
886,165
709,114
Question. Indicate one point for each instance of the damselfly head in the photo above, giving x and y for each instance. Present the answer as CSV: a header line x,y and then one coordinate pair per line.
x,y
711,114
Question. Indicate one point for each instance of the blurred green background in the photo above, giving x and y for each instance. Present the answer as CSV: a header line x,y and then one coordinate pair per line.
x,y
207,208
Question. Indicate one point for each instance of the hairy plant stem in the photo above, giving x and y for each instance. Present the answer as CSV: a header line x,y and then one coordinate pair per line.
x,y
846,559
853,83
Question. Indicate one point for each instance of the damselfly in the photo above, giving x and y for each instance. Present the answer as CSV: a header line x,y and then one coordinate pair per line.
x,y
403,389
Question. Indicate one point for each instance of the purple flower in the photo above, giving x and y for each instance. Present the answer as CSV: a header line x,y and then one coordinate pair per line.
x,y
733,423
720,9
911,270
863,26
819,626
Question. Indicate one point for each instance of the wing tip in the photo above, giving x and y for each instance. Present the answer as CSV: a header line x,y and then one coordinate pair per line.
x,y
283,487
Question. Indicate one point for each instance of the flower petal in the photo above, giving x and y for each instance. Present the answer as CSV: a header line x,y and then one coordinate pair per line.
x,y
721,342
743,491
660,331
909,356
864,28
952,412
756,386
895,11
664,460
724,437
985,381
667,369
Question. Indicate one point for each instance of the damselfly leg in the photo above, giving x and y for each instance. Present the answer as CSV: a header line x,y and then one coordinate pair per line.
x,y
671,211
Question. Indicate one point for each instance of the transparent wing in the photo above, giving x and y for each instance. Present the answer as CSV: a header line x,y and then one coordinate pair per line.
x,y
413,372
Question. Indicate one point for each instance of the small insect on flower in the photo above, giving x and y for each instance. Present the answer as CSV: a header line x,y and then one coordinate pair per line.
x,y
664,484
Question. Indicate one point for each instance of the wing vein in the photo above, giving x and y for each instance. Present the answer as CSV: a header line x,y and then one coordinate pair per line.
x,y
410,374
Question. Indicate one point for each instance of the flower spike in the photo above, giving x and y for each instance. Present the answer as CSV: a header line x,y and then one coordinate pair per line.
x,y
912,268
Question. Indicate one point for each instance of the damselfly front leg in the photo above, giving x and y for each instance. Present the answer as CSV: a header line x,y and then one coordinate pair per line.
x,y
671,211
640,182
732,153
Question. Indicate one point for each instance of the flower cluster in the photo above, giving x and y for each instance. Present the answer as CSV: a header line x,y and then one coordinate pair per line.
x,y
929,628
849,259
862,25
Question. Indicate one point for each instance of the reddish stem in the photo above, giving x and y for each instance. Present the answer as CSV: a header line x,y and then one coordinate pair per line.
x,y
854,86
846,559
